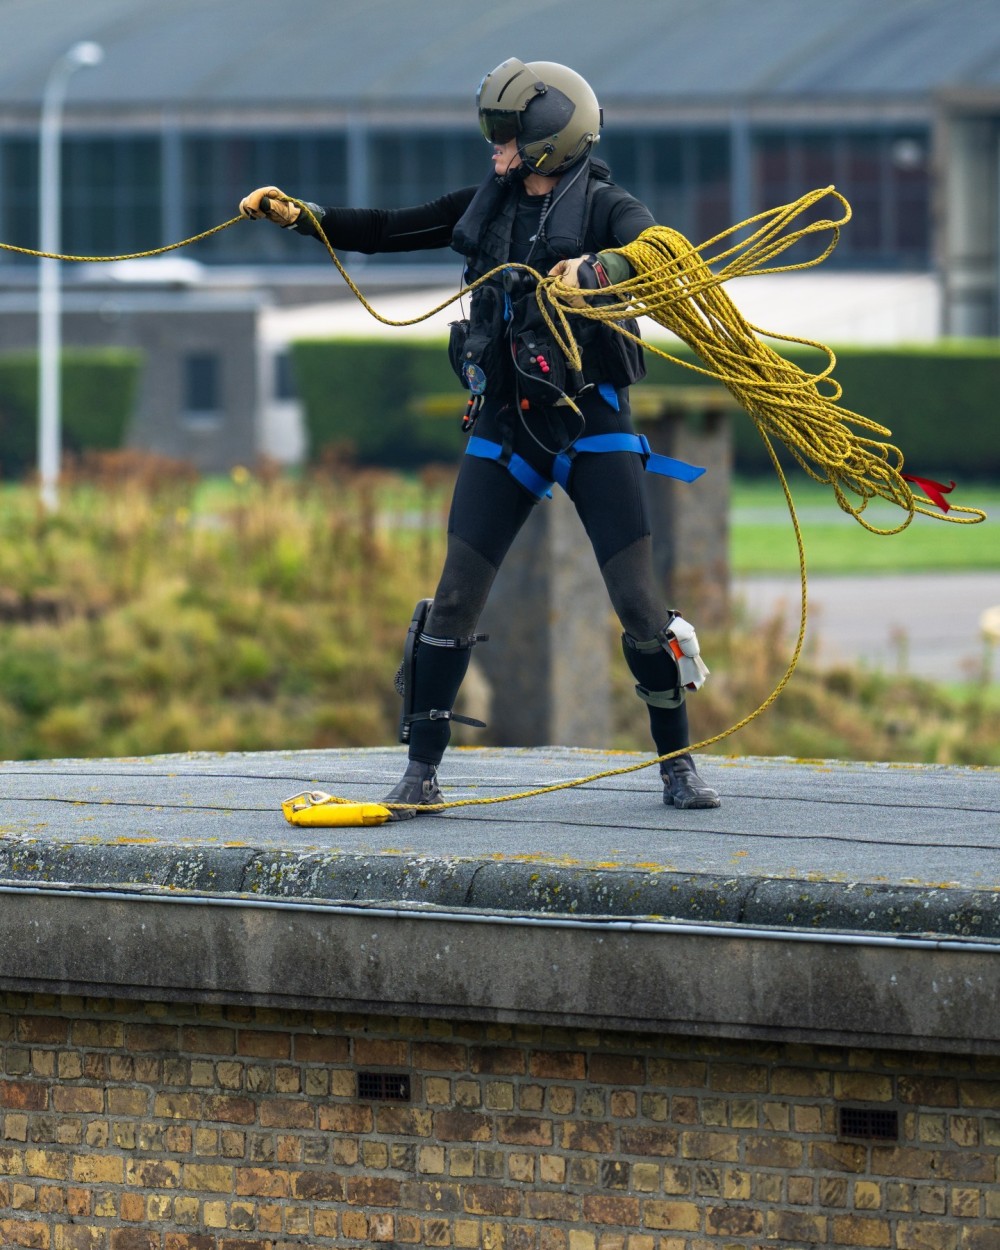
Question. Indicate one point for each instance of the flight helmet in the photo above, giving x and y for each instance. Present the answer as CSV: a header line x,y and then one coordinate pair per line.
x,y
549,109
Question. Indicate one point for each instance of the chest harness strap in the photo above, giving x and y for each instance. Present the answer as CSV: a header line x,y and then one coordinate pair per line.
x,y
541,487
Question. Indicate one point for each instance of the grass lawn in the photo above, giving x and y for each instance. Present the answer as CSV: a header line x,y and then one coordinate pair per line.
x,y
761,535
762,539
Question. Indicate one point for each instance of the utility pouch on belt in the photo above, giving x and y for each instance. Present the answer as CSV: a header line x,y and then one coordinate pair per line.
x,y
539,364
610,356
541,367
475,345
457,336
621,359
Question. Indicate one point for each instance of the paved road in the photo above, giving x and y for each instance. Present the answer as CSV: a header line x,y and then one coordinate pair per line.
x,y
927,624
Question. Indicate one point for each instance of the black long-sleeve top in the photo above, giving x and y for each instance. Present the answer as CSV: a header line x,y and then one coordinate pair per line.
x,y
372,230
425,226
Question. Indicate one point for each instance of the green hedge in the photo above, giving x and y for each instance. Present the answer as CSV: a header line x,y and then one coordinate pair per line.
x,y
363,396
98,398
940,401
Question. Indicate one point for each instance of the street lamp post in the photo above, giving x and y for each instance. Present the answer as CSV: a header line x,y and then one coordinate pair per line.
x,y
49,214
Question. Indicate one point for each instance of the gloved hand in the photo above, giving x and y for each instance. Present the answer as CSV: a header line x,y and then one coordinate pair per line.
x,y
584,272
271,203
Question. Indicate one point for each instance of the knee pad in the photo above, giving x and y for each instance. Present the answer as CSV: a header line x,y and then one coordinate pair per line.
x,y
655,671
667,666
406,674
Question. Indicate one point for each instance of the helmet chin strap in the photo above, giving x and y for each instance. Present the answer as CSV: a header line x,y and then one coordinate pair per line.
x,y
517,174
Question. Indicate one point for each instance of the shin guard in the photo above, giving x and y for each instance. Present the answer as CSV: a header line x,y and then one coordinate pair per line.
x,y
429,679
653,666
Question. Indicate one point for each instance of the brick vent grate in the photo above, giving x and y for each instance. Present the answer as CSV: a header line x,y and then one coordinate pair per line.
x,y
384,1086
869,1122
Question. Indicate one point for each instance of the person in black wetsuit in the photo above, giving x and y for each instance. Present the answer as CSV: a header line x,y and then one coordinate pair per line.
x,y
548,204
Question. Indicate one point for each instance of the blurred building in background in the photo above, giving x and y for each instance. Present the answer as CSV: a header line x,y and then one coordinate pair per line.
x,y
714,111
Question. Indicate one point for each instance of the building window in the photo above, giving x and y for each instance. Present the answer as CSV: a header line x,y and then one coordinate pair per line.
x,y
683,177
884,175
19,198
202,383
111,196
414,167
114,188
284,377
221,169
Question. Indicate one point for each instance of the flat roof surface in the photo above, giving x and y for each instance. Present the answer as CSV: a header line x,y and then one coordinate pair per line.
x,y
796,843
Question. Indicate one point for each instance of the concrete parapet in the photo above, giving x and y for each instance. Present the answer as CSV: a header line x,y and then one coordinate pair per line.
x,y
647,975
872,914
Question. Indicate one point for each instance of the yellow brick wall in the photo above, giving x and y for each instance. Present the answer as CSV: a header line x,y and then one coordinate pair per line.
x,y
171,1127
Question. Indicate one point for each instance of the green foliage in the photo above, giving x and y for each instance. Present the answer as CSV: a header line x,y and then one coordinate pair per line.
x,y
362,397
762,539
939,401
98,398
134,623
155,614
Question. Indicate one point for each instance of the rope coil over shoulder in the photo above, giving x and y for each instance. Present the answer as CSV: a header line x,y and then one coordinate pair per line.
x,y
681,290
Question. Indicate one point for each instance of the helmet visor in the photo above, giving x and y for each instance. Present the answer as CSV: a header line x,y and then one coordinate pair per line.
x,y
499,125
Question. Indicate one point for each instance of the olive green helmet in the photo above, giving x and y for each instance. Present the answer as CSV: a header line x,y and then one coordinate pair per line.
x,y
549,109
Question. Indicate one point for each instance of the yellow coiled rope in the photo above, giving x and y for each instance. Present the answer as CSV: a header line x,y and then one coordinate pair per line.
x,y
680,290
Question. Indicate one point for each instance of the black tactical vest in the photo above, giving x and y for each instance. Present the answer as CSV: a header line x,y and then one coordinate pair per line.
x,y
483,235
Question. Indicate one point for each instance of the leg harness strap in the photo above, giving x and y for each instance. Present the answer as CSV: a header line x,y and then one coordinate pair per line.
x,y
406,675
659,666
678,644
652,462
445,714
541,487
457,644
516,466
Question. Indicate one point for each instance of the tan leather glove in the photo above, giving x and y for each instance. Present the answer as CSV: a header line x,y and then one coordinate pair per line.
x,y
568,273
271,203
588,273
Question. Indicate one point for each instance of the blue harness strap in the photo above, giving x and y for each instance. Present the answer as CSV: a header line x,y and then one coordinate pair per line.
x,y
652,461
516,466
541,487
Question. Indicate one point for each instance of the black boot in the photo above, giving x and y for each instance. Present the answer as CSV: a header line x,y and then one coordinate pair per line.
x,y
418,785
682,787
